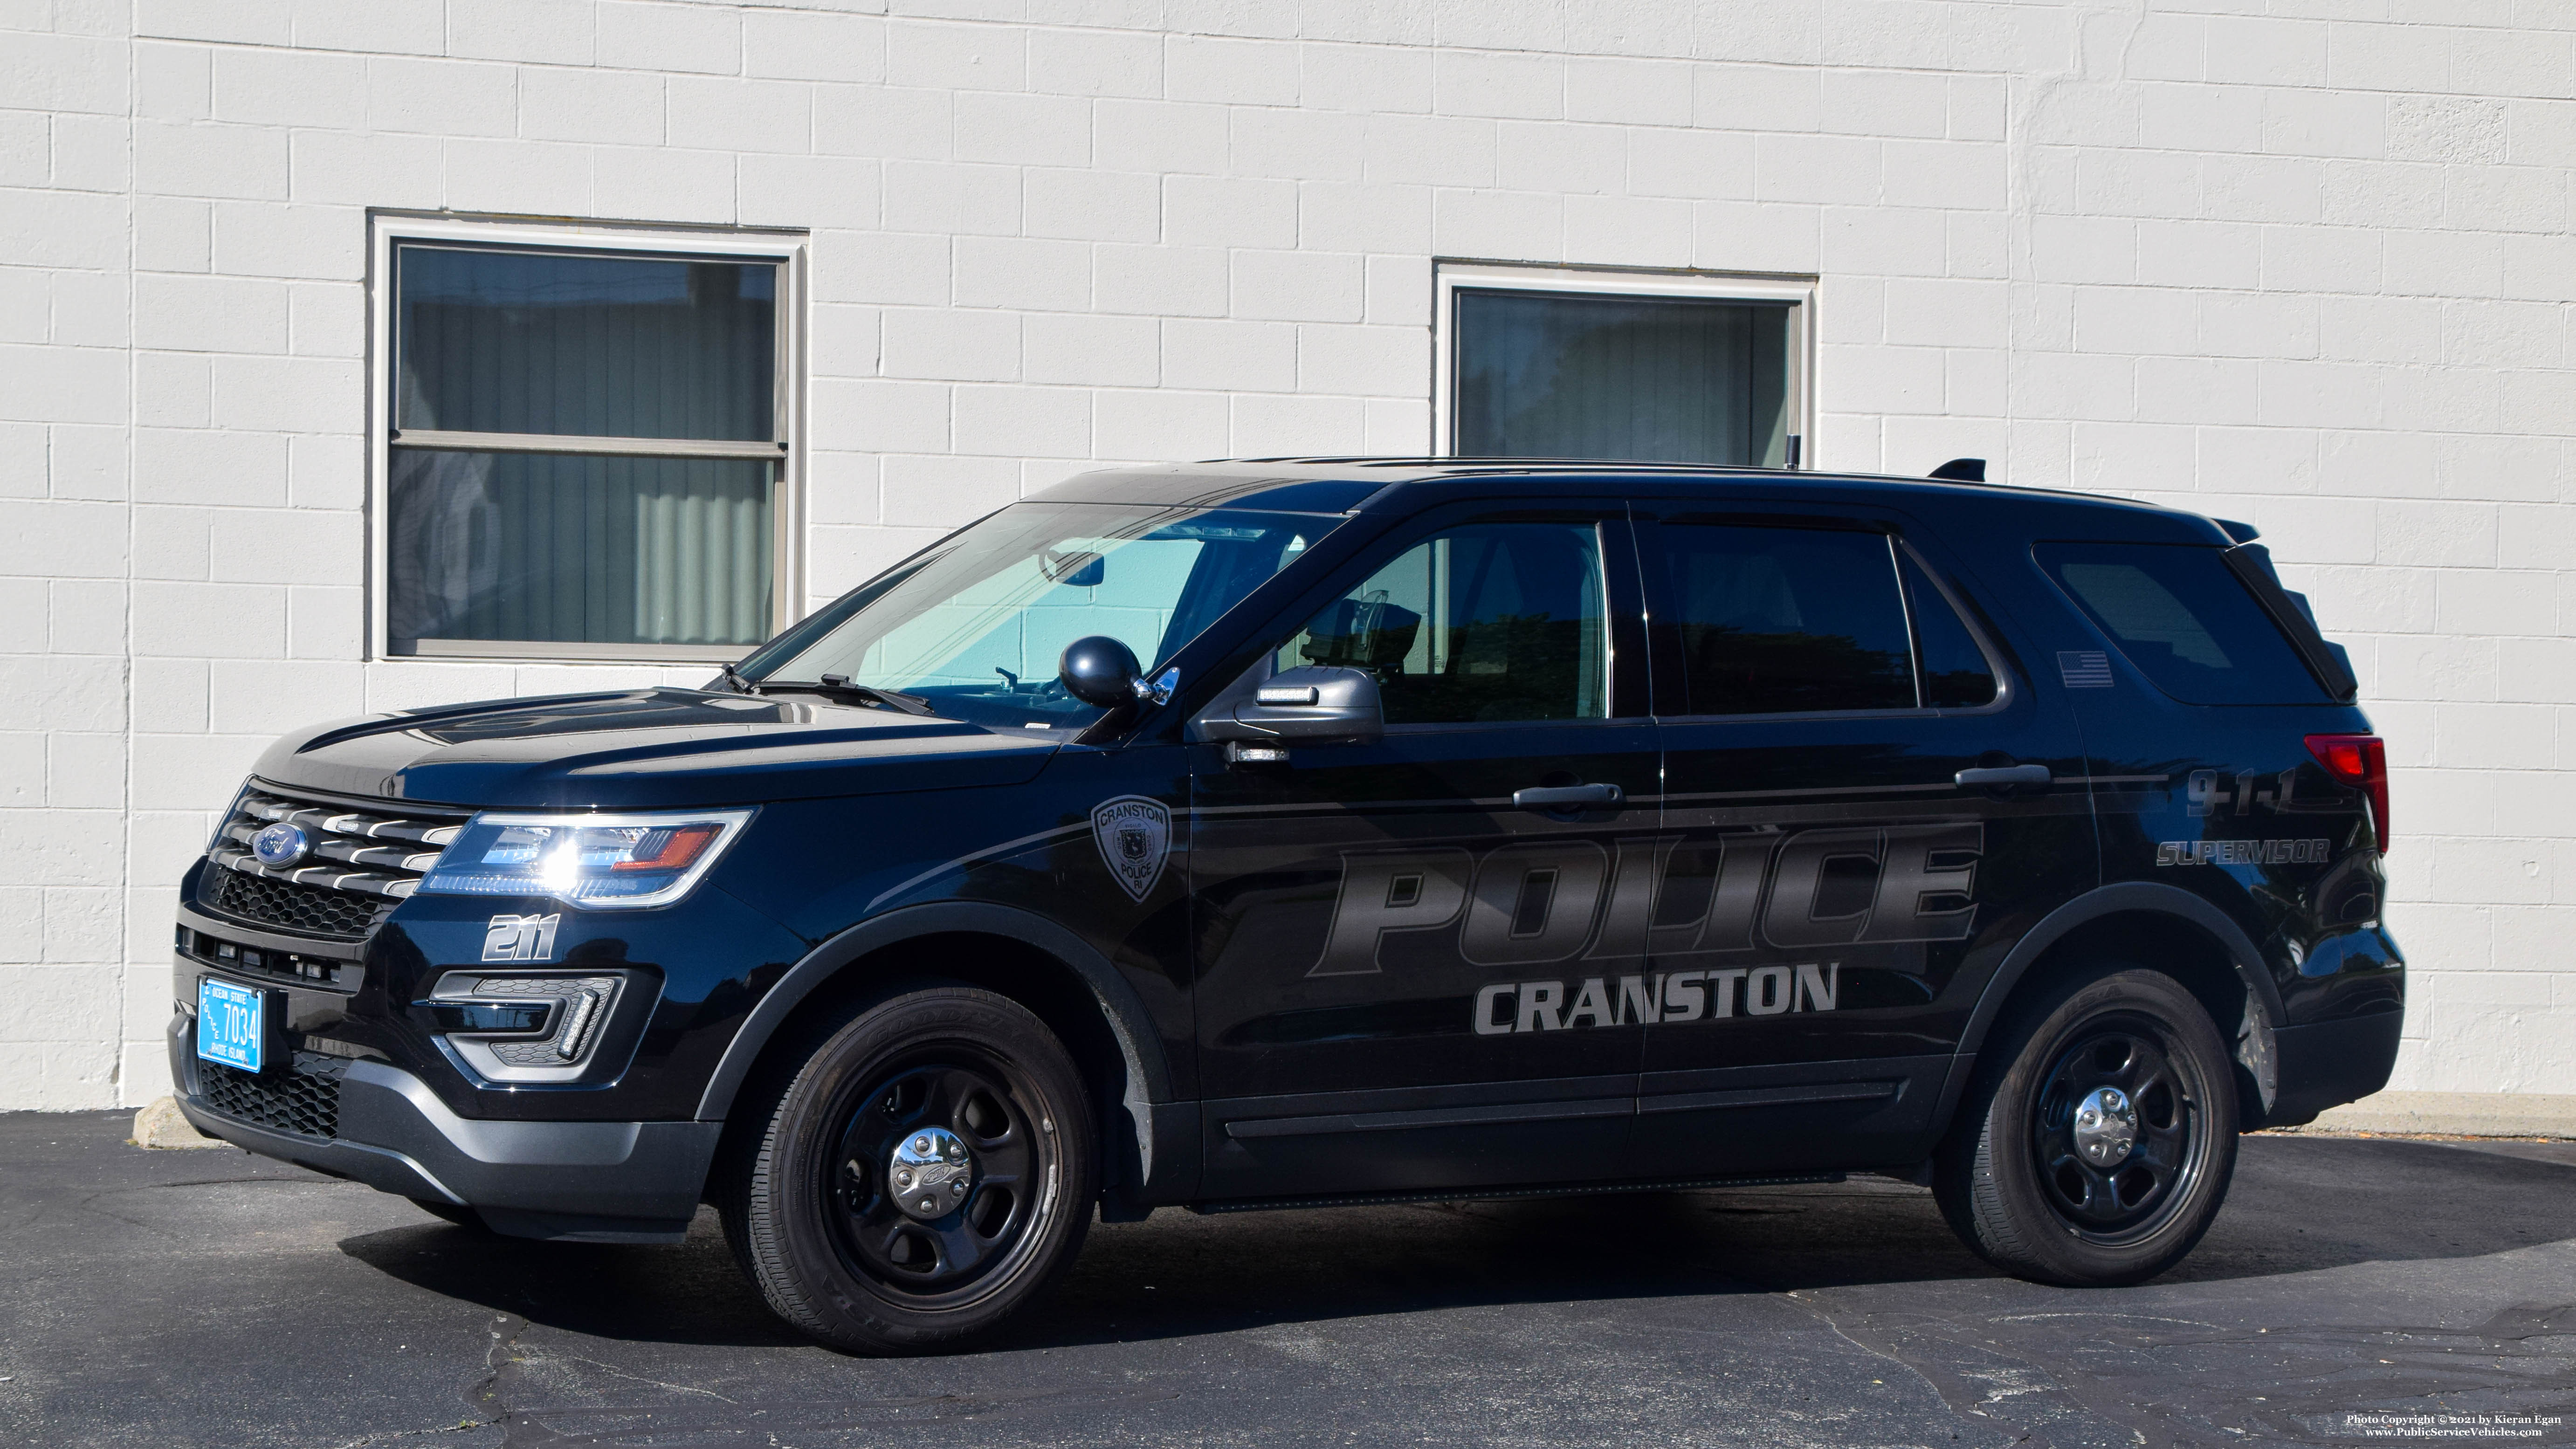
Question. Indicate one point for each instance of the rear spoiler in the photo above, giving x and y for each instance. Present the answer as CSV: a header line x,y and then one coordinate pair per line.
x,y
2252,563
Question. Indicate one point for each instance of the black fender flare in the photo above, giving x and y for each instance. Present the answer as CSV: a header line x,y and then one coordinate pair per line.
x,y
1149,1078
2117,899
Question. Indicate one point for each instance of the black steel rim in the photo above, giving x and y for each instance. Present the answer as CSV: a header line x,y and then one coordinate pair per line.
x,y
986,1103
2132,1198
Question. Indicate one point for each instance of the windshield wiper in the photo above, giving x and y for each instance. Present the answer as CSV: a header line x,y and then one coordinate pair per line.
x,y
842,684
732,679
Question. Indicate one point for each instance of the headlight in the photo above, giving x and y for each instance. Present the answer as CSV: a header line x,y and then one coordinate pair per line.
x,y
602,862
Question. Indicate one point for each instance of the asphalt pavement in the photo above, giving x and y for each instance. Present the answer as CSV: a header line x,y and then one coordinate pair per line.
x,y
213,1298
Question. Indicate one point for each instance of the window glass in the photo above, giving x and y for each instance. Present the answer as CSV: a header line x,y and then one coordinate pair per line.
x,y
579,548
978,624
2180,615
1670,379
1490,623
597,542
605,347
1783,620
1956,674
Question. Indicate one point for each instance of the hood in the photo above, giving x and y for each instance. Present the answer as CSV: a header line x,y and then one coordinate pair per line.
x,y
646,749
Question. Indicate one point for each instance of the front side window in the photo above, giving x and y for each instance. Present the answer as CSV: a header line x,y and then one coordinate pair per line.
x,y
2181,615
976,624
1620,366
1487,624
587,452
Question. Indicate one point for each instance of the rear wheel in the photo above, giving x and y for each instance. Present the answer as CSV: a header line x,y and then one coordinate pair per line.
x,y
2099,1149
927,1171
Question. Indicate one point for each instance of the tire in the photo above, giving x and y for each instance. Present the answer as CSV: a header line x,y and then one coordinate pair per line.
x,y
2015,1176
844,1203
457,1213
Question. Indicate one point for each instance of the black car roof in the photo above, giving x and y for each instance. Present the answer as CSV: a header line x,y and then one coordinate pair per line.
x,y
1354,484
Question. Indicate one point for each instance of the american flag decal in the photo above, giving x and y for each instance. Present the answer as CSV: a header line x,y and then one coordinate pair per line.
x,y
2084,668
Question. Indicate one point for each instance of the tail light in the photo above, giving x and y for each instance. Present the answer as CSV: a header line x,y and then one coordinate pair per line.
x,y
2360,761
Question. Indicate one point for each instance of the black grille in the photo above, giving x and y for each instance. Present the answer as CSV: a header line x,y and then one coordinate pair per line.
x,y
304,1099
290,905
356,862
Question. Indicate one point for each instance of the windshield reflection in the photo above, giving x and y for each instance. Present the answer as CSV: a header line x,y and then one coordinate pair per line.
x,y
975,625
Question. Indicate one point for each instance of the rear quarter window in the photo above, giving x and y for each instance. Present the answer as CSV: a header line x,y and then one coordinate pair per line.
x,y
2183,618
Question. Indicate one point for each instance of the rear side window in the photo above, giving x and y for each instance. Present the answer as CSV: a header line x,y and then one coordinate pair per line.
x,y
2181,616
1956,674
1787,620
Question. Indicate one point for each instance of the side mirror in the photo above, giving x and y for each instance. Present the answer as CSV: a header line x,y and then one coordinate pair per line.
x,y
1099,670
1319,704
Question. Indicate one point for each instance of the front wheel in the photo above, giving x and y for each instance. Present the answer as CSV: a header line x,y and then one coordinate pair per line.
x,y
929,1170
2099,1149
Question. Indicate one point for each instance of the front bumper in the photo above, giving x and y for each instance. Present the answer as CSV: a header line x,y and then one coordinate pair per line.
x,y
599,1182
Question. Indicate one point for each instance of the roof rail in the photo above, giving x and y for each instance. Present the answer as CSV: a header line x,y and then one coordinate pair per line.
x,y
1478,463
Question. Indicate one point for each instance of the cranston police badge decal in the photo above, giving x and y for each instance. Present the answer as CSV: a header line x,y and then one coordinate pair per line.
x,y
1135,835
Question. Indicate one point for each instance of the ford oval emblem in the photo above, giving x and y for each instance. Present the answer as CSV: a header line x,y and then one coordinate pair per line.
x,y
280,845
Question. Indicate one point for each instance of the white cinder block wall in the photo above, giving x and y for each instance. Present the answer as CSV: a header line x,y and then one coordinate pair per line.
x,y
2304,262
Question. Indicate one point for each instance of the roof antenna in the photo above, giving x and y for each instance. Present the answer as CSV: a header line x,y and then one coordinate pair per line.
x,y
1962,470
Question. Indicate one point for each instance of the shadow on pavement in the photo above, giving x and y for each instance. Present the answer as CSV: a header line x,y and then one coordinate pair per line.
x,y
2298,1205
690,1294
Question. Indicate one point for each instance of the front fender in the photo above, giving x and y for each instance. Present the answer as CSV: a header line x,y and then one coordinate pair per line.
x,y
1147,1095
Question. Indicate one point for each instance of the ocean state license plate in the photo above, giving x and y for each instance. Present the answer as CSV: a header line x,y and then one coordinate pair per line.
x,y
231,1024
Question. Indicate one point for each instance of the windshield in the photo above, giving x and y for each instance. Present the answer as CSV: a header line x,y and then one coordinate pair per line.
x,y
975,625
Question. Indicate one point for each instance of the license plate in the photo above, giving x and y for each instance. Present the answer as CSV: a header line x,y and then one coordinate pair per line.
x,y
232,1024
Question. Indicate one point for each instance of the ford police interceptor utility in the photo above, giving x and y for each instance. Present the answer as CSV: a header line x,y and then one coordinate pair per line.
x,y
1260,834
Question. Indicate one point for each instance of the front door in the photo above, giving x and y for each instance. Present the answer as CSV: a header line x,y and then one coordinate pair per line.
x,y
1864,801
1374,921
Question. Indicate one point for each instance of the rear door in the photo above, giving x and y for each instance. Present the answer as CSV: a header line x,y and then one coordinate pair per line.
x,y
1374,921
1866,803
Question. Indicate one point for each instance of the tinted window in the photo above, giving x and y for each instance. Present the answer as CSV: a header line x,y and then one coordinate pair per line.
x,y
1956,674
2179,614
1493,622
1780,620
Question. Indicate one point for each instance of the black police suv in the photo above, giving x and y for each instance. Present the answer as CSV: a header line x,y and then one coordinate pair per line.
x,y
1259,834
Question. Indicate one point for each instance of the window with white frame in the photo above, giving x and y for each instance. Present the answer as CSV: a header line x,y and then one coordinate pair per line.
x,y
1665,367
584,442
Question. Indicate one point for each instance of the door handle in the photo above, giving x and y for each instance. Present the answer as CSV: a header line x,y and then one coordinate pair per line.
x,y
1990,776
1557,797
